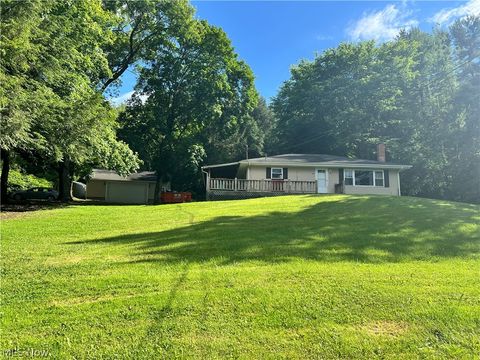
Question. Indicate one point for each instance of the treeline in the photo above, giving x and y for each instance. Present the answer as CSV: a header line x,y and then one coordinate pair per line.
x,y
419,94
195,101
59,60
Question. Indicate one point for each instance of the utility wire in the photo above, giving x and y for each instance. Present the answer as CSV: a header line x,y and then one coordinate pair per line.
x,y
439,82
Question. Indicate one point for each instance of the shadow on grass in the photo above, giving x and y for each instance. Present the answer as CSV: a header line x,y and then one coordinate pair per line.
x,y
365,229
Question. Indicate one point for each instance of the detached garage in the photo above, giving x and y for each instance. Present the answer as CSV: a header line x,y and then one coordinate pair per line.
x,y
107,185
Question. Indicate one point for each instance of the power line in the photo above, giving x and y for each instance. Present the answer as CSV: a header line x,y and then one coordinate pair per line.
x,y
439,82
315,137
447,73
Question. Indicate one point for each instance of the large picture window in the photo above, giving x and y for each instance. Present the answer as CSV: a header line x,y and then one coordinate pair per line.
x,y
277,173
363,177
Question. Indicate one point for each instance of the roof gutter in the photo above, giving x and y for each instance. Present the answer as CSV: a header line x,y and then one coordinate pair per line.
x,y
330,165
220,165
324,165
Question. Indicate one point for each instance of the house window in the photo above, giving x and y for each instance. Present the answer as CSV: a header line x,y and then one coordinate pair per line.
x,y
277,173
379,178
348,177
364,177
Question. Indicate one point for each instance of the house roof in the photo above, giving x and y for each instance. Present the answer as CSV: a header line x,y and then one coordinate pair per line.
x,y
313,160
110,175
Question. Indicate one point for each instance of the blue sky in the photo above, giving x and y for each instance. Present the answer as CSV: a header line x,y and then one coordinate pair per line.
x,y
271,36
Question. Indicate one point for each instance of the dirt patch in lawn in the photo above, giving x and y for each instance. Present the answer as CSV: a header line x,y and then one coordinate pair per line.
x,y
62,261
385,328
4,215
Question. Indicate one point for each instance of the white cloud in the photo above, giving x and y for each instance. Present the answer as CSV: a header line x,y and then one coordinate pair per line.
x,y
447,16
382,25
125,97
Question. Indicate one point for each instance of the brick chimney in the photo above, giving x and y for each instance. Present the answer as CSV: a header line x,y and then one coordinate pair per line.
x,y
381,153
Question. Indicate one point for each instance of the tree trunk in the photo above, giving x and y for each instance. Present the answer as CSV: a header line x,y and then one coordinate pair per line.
x,y
156,193
4,179
64,181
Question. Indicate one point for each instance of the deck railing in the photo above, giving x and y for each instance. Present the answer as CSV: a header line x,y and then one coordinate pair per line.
x,y
276,186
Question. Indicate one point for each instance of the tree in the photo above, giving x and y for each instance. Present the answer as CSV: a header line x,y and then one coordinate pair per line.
x,y
52,64
417,93
194,85
465,165
331,105
22,98
14,123
263,138
137,28
83,132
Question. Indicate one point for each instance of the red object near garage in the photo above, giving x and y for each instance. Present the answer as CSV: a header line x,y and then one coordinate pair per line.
x,y
170,197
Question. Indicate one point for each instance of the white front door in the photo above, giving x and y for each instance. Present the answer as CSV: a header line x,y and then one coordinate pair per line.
x,y
321,181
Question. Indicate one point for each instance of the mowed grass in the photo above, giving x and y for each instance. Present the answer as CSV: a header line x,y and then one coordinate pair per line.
x,y
286,277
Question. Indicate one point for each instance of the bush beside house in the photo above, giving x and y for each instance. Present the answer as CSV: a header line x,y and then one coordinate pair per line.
x,y
21,181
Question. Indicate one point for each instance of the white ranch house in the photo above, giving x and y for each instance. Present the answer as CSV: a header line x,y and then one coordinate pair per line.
x,y
303,174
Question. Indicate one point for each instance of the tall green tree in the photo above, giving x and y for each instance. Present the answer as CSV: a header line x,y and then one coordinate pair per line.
x,y
465,164
191,89
137,29
52,65
21,98
262,138
418,93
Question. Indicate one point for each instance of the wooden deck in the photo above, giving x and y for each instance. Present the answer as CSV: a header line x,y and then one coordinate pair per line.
x,y
242,188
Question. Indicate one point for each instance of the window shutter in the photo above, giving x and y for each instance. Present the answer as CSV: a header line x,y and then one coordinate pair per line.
x,y
387,179
285,173
340,176
269,173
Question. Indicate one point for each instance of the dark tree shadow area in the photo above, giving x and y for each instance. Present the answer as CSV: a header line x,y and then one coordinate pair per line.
x,y
364,229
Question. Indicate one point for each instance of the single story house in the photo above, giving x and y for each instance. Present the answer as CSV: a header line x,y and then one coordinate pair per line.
x,y
303,174
136,188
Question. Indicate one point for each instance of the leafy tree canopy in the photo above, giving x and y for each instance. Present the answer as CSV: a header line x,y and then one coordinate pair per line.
x,y
193,95
419,94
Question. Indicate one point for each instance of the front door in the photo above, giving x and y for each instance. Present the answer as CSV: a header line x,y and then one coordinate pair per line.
x,y
321,181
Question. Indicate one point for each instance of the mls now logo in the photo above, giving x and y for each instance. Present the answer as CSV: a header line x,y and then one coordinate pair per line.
x,y
31,352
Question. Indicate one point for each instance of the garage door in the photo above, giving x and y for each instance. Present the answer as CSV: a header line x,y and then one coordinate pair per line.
x,y
127,192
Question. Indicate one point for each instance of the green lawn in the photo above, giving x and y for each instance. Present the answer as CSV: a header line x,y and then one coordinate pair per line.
x,y
285,277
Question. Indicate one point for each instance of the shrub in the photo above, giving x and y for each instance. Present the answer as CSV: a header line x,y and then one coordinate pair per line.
x,y
20,181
